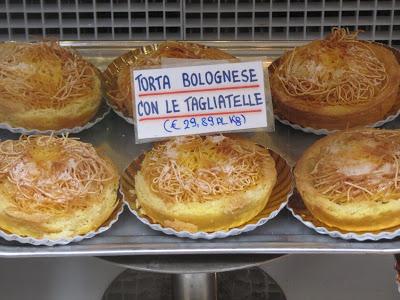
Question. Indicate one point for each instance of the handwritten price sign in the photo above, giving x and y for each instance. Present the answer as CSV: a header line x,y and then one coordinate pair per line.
x,y
199,99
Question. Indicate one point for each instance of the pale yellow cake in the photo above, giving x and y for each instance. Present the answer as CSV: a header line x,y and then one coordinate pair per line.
x,y
44,86
350,180
205,183
336,83
53,188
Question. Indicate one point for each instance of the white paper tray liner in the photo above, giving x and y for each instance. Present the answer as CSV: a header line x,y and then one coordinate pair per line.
x,y
104,109
368,236
64,241
120,114
208,235
328,131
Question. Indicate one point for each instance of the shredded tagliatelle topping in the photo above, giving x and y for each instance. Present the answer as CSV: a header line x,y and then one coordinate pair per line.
x,y
52,173
337,70
42,75
361,165
121,92
198,168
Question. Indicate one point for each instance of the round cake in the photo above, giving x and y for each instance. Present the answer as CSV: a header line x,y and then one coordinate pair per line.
x,y
205,183
119,90
44,86
350,180
54,188
335,83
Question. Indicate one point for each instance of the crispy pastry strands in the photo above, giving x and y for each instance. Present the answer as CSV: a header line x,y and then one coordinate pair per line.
x,y
346,180
56,185
359,77
198,168
43,75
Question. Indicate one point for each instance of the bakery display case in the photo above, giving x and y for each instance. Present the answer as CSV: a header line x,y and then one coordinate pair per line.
x,y
314,170
115,137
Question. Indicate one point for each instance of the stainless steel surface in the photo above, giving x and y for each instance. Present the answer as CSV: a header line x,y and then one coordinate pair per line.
x,y
198,286
281,235
175,264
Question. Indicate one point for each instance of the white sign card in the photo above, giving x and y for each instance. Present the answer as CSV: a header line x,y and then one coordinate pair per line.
x,y
199,99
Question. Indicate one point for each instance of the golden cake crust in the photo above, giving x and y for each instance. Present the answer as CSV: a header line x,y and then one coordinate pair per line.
x,y
304,111
47,190
46,87
360,210
213,211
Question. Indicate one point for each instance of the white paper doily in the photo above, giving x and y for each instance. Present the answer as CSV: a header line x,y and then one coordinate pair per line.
x,y
103,110
207,235
120,114
47,242
305,129
368,236
328,131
